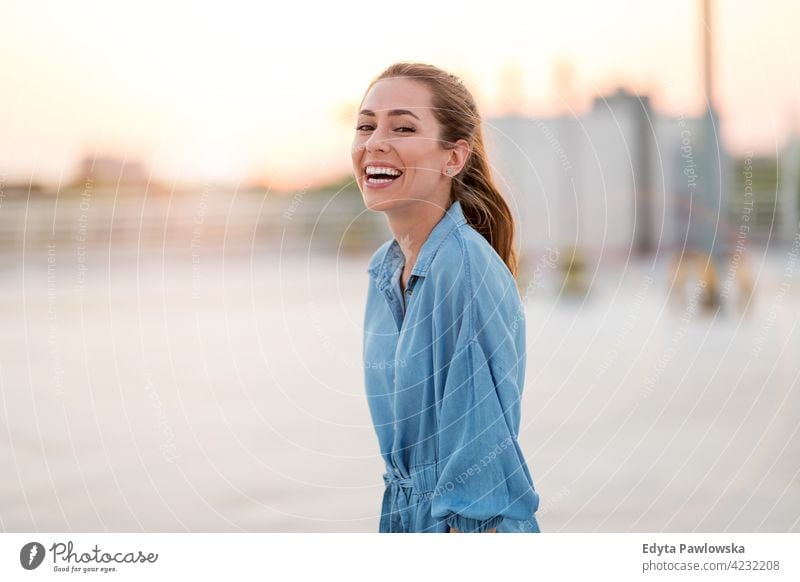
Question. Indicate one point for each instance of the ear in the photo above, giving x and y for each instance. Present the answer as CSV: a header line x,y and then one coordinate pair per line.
x,y
458,157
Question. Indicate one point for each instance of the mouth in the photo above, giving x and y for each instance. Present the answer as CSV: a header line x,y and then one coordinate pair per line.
x,y
379,175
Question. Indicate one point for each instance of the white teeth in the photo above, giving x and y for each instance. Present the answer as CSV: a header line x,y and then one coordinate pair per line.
x,y
382,170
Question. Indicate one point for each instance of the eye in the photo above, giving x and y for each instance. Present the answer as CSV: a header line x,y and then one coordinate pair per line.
x,y
403,129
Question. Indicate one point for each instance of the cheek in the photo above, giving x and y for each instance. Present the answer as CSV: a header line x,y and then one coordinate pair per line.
x,y
356,153
423,156
423,168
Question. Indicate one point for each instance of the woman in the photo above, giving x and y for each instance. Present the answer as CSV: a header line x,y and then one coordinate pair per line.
x,y
444,328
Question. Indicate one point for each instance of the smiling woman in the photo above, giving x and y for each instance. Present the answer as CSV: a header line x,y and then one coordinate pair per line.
x,y
447,425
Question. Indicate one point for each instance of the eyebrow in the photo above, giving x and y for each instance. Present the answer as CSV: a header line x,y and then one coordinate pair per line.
x,y
392,113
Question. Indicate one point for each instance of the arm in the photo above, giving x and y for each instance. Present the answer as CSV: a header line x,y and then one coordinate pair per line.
x,y
483,478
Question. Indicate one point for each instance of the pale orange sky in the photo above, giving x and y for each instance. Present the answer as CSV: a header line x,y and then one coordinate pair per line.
x,y
245,90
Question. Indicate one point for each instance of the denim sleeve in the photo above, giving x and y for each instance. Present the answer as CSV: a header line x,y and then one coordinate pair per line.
x,y
483,477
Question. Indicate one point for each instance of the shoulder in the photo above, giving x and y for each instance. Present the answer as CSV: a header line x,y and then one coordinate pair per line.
x,y
467,259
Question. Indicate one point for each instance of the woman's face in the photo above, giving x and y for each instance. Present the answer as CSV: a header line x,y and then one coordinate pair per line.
x,y
397,133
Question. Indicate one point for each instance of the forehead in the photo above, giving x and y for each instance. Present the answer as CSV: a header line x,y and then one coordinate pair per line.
x,y
399,93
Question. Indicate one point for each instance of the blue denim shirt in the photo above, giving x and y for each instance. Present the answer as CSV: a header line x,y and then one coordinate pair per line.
x,y
444,370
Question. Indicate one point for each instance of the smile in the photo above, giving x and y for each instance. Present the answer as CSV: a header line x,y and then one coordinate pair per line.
x,y
381,175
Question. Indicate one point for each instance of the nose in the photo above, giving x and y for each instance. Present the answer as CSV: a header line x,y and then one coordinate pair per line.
x,y
376,142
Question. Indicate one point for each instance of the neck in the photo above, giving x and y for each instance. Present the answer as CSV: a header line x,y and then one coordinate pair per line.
x,y
411,226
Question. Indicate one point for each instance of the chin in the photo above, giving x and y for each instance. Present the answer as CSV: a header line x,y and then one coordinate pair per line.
x,y
378,203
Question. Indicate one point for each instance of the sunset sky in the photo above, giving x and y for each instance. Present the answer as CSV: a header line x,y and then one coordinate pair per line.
x,y
245,91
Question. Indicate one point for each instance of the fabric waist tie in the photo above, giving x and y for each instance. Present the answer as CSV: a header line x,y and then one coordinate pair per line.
x,y
396,499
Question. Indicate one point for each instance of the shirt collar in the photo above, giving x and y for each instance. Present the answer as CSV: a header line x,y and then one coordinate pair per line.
x,y
393,257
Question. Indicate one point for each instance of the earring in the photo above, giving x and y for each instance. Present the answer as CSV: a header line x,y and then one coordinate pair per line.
x,y
449,171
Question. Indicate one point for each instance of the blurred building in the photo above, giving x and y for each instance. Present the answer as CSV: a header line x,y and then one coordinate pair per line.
x,y
789,190
767,191
110,171
620,180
